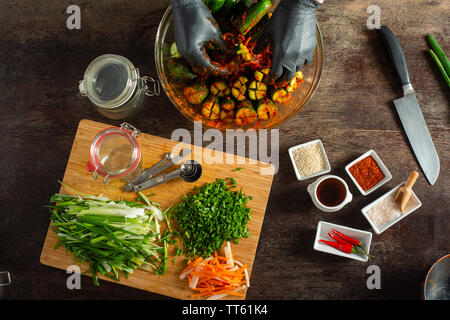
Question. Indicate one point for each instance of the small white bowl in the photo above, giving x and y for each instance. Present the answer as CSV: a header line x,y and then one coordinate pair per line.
x,y
312,190
410,208
327,163
324,228
387,174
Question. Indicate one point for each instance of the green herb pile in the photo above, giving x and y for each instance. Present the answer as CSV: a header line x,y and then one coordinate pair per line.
x,y
112,236
211,216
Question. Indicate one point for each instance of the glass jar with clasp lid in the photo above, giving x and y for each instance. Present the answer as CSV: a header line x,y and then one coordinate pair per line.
x,y
115,154
113,84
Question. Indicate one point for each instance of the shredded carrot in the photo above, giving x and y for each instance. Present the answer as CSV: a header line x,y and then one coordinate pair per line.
x,y
214,276
221,258
192,264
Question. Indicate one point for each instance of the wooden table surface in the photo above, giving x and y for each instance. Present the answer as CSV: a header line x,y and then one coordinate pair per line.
x,y
41,62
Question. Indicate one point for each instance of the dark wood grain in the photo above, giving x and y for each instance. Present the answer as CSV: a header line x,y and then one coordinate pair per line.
x,y
41,62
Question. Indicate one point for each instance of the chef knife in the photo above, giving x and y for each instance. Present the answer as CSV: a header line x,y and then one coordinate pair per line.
x,y
409,111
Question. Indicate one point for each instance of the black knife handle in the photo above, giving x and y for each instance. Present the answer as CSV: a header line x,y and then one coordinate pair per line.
x,y
396,55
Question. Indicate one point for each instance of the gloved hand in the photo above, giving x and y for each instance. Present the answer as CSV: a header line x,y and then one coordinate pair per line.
x,y
194,25
292,32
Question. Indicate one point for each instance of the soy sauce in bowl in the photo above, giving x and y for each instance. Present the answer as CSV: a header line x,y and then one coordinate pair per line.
x,y
331,192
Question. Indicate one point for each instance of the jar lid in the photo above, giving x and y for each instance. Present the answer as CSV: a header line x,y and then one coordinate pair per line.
x,y
115,152
109,81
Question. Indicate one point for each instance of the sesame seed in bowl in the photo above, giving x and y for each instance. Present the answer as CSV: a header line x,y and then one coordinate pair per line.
x,y
309,160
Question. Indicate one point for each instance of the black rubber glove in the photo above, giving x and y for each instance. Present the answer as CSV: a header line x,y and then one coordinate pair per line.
x,y
292,33
195,25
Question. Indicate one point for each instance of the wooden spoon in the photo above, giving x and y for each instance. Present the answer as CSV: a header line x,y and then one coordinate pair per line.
x,y
404,192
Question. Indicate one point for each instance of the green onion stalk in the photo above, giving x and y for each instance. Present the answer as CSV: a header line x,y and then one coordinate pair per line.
x,y
113,237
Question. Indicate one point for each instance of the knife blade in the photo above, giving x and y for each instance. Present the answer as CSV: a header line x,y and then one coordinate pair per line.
x,y
414,124
409,111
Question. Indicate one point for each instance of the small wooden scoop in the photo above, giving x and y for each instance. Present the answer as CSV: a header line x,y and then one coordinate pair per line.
x,y
404,192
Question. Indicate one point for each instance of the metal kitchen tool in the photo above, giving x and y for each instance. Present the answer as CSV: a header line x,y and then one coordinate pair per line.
x,y
404,192
162,165
148,173
5,278
437,281
409,111
190,171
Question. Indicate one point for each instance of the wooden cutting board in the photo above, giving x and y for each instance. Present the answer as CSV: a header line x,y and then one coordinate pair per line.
x,y
153,148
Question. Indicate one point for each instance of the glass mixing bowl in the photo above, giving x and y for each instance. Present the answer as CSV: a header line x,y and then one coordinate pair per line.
x,y
312,73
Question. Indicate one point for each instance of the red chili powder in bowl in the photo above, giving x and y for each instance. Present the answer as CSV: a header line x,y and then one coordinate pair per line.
x,y
367,173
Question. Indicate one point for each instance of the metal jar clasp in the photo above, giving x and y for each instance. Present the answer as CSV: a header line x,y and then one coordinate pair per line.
x,y
152,87
134,131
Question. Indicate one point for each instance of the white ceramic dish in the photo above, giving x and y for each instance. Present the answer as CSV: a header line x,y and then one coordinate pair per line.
x,y
387,174
327,163
324,228
312,190
413,204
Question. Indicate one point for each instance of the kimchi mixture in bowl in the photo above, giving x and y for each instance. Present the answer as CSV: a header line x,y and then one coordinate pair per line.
x,y
249,97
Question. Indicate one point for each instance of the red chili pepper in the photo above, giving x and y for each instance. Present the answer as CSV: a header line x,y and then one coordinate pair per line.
x,y
350,240
337,239
347,248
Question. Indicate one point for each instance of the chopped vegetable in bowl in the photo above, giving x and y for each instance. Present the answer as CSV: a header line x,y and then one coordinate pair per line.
x,y
217,101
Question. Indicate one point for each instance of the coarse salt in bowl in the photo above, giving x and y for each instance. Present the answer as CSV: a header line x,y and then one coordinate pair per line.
x,y
384,212
309,160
